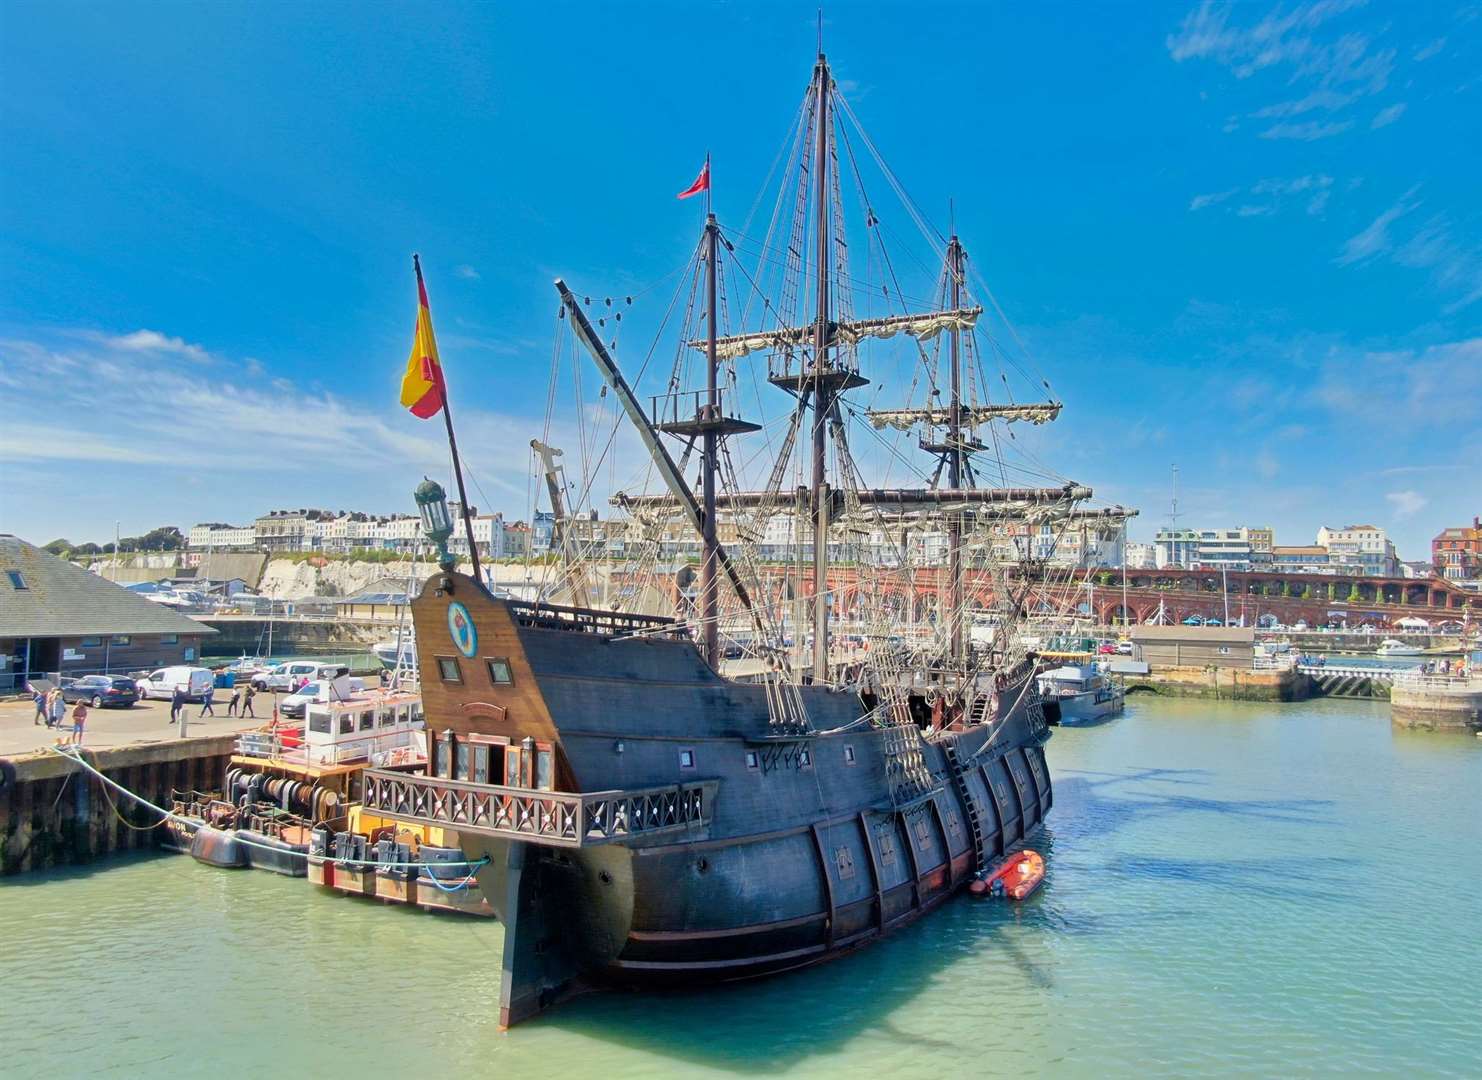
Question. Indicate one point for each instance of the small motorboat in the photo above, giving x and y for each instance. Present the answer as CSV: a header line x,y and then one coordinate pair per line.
x,y
1018,876
1396,647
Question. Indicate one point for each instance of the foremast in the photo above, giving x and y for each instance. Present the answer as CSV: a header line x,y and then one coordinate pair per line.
x,y
822,389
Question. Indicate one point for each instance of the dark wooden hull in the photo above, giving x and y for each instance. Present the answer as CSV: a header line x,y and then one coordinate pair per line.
x,y
813,843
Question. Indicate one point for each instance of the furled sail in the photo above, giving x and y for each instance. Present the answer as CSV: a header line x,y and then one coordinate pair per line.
x,y
923,327
970,415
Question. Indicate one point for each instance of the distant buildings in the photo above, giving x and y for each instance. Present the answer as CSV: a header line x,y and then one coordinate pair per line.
x,y
1213,549
1360,549
1457,553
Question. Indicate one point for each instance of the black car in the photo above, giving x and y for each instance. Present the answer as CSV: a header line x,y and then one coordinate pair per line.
x,y
101,691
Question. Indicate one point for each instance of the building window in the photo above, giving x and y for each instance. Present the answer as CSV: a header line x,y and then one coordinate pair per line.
x,y
90,642
16,581
848,755
169,639
499,673
686,759
121,639
448,668
752,761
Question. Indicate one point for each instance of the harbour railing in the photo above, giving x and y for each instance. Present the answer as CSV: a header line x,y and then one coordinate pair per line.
x,y
554,818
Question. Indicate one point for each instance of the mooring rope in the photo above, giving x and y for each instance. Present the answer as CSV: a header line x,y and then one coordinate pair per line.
x,y
169,815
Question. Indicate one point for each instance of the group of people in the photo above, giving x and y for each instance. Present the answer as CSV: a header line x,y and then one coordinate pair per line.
x,y
51,710
240,703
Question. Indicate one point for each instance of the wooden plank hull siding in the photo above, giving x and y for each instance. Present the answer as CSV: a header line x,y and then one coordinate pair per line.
x,y
810,845
54,813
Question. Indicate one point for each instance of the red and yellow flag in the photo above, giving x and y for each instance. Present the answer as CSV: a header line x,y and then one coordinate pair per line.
x,y
422,385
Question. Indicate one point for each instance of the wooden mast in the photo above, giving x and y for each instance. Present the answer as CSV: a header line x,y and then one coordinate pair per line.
x,y
822,391
955,601
709,582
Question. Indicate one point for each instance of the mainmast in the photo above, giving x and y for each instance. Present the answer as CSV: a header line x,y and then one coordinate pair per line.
x,y
710,544
955,612
822,392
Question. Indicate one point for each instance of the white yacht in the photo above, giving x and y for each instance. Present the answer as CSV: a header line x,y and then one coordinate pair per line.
x,y
1086,694
1396,647
391,651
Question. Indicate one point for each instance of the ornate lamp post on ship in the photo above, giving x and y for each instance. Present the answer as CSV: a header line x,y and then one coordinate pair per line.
x,y
437,521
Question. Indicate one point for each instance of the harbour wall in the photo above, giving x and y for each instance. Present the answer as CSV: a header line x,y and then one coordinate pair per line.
x,y
1223,684
52,813
1438,707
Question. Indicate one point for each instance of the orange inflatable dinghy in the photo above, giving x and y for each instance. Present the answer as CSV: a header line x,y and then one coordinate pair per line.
x,y
1020,874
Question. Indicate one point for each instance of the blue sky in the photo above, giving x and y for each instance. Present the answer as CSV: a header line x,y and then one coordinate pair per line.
x,y
1246,239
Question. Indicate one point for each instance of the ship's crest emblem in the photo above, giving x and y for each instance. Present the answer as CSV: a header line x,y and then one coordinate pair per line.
x,y
461,627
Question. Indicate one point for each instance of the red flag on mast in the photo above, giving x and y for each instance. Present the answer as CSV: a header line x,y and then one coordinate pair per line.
x,y
702,182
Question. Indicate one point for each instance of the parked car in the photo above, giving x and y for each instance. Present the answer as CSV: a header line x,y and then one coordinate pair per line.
x,y
101,691
1124,648
294,704
287,675
160,684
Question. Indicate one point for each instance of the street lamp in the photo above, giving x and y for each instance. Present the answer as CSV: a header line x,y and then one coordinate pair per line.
x,y
437,522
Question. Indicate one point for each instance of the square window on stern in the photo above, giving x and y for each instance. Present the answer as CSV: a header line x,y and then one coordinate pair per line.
x,y
499,671
448,668
686,759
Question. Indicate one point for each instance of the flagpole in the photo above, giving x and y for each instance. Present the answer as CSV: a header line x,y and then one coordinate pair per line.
x,y
442,389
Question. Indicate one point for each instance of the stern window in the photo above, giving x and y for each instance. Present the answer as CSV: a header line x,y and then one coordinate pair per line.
x,y
751,759
543,769
848,755
461,772
447,667
444,754
686,759
499,673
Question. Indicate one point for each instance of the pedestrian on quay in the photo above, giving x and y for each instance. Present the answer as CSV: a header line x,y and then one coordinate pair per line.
x,y
79,718
58,708
39,699
235,704
177,703
206,705
247,702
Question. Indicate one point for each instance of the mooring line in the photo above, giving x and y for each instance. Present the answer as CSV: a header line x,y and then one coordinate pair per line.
x,y
169,815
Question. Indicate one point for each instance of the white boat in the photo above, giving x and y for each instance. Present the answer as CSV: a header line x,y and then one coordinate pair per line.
x,y
1396,647
1086,695
390,652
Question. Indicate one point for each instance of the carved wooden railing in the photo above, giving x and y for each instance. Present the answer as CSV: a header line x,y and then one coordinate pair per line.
x,y
554,818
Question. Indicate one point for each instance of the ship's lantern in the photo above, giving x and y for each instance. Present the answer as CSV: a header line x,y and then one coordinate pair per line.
x,y
437,521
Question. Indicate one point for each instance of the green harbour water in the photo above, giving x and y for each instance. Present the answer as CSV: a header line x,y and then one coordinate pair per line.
x,y
1233,890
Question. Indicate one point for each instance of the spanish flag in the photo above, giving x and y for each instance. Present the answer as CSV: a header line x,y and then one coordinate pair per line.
x,y
422,387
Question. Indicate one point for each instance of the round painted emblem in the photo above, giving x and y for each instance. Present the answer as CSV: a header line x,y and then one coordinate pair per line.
x,y
461,627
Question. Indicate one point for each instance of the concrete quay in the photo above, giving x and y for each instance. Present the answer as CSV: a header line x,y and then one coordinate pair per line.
x,y
1222,684
52,813
1437,704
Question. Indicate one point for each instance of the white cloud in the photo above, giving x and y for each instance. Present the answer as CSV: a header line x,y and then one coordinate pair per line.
x,y
467,272
1199,202
1406,503
1309,131
1375,240
1388,115
1425,52
151,341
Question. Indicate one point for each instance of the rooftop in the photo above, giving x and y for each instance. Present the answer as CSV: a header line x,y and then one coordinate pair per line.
x,y
44,596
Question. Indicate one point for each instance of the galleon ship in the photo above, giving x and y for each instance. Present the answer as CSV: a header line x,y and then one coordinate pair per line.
x,y
650,815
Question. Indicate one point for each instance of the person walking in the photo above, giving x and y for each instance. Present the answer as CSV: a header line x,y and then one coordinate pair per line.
x,y
247,702
79,718
58,710
39,699
235,704
177,702
206,705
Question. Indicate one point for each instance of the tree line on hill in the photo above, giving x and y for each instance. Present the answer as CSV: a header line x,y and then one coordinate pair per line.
x,y
164,538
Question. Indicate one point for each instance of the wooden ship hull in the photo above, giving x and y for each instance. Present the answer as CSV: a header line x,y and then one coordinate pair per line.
x,y
646,823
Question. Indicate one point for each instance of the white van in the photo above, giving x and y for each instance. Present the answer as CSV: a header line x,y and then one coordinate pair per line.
x,y
161,684
288,675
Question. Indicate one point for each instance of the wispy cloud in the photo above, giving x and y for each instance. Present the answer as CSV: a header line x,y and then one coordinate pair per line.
x,y
1375,239
467,272
1267,197
1455,265
149,341
1308,131
1387,115
1330,70
1199,202
1425,52
1406,503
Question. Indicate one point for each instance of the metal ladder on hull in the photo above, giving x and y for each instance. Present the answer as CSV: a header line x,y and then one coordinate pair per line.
x,y
970,806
